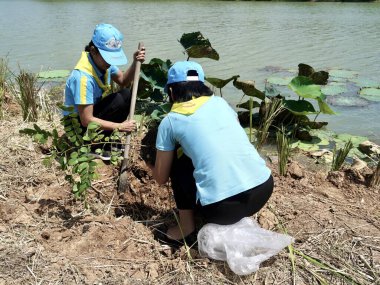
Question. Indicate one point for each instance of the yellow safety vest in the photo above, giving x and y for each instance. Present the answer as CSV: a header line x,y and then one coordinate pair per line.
x,y
85,65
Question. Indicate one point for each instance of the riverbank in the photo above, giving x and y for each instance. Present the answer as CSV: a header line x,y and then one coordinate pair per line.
x,y
48,237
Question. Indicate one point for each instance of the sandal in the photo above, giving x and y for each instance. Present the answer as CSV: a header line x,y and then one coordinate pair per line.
x,y
160,234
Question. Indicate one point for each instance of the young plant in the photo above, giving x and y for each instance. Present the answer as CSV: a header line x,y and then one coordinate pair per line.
x,y
283,150
340,155
272,109
26,96
73,150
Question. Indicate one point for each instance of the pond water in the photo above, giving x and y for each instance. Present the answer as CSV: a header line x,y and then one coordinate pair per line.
x,y
253,39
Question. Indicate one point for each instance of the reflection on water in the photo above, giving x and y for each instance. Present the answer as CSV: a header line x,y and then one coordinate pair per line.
x,y
248,36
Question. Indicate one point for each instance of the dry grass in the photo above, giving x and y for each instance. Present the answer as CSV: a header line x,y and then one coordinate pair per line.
x,y
46,237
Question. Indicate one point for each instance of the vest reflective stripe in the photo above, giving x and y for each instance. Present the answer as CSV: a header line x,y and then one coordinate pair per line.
x,y
85,65
83,90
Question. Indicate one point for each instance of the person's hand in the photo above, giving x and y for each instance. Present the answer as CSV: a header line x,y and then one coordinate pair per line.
x,y
139,55
127,126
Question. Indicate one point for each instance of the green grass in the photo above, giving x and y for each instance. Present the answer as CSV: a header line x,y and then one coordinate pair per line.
x,y
26,96
340,155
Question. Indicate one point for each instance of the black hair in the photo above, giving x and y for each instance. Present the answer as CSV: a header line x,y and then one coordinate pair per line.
x,y
187,90
88,47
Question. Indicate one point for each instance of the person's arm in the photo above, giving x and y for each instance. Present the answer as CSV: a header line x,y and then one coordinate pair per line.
x,y
124,79
162,167
86,116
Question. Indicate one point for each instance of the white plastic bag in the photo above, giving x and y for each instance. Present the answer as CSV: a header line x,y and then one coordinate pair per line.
x,y
244,245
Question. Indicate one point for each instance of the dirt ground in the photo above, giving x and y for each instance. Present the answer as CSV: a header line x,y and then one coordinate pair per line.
x,y
47,237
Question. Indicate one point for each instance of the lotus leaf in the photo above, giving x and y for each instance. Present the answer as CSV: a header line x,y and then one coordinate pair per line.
x,y
320,77
279,80
197,46
325,108
305,70
299,107
304,87
323,134
245,105
348,74
364,82
341,139
334,89
248,87
155,72
220,83
306,146
371,94
145,88
53,74
347,101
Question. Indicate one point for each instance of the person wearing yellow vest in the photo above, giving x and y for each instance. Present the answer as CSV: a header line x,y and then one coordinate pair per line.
x,y
89,86
218,173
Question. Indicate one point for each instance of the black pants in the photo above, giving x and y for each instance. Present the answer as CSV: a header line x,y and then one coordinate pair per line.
x,y
113,108
225,212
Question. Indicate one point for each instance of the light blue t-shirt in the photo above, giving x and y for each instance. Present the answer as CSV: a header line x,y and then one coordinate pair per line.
x,y
77,93
225,162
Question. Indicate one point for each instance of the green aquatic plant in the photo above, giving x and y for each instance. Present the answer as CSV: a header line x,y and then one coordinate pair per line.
x,y
340,155
197,46
371,94
220,83
272,109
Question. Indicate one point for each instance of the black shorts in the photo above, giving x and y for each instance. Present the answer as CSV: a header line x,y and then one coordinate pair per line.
x,y
225,212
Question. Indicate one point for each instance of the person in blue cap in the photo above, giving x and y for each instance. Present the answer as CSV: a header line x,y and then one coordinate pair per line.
x,y
216,171
89,87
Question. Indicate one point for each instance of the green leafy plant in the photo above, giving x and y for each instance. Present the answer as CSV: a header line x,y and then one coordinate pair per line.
x,y
340,155
74,150
220,83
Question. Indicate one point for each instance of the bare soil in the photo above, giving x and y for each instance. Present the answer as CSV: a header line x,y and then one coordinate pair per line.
x,y
48,237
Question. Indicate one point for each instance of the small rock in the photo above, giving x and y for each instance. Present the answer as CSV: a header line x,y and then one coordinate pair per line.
x,y
369,148
45,235
320,153
295,170
358,164
267,219
30,196
336,178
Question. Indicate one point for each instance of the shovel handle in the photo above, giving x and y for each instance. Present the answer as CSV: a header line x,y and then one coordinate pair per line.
x,y
135,86
133,103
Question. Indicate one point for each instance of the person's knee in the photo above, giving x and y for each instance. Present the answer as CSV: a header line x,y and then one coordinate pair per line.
x,y
122,98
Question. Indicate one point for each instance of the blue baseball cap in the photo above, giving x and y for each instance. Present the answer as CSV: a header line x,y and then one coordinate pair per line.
x,y
179,72
108,40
